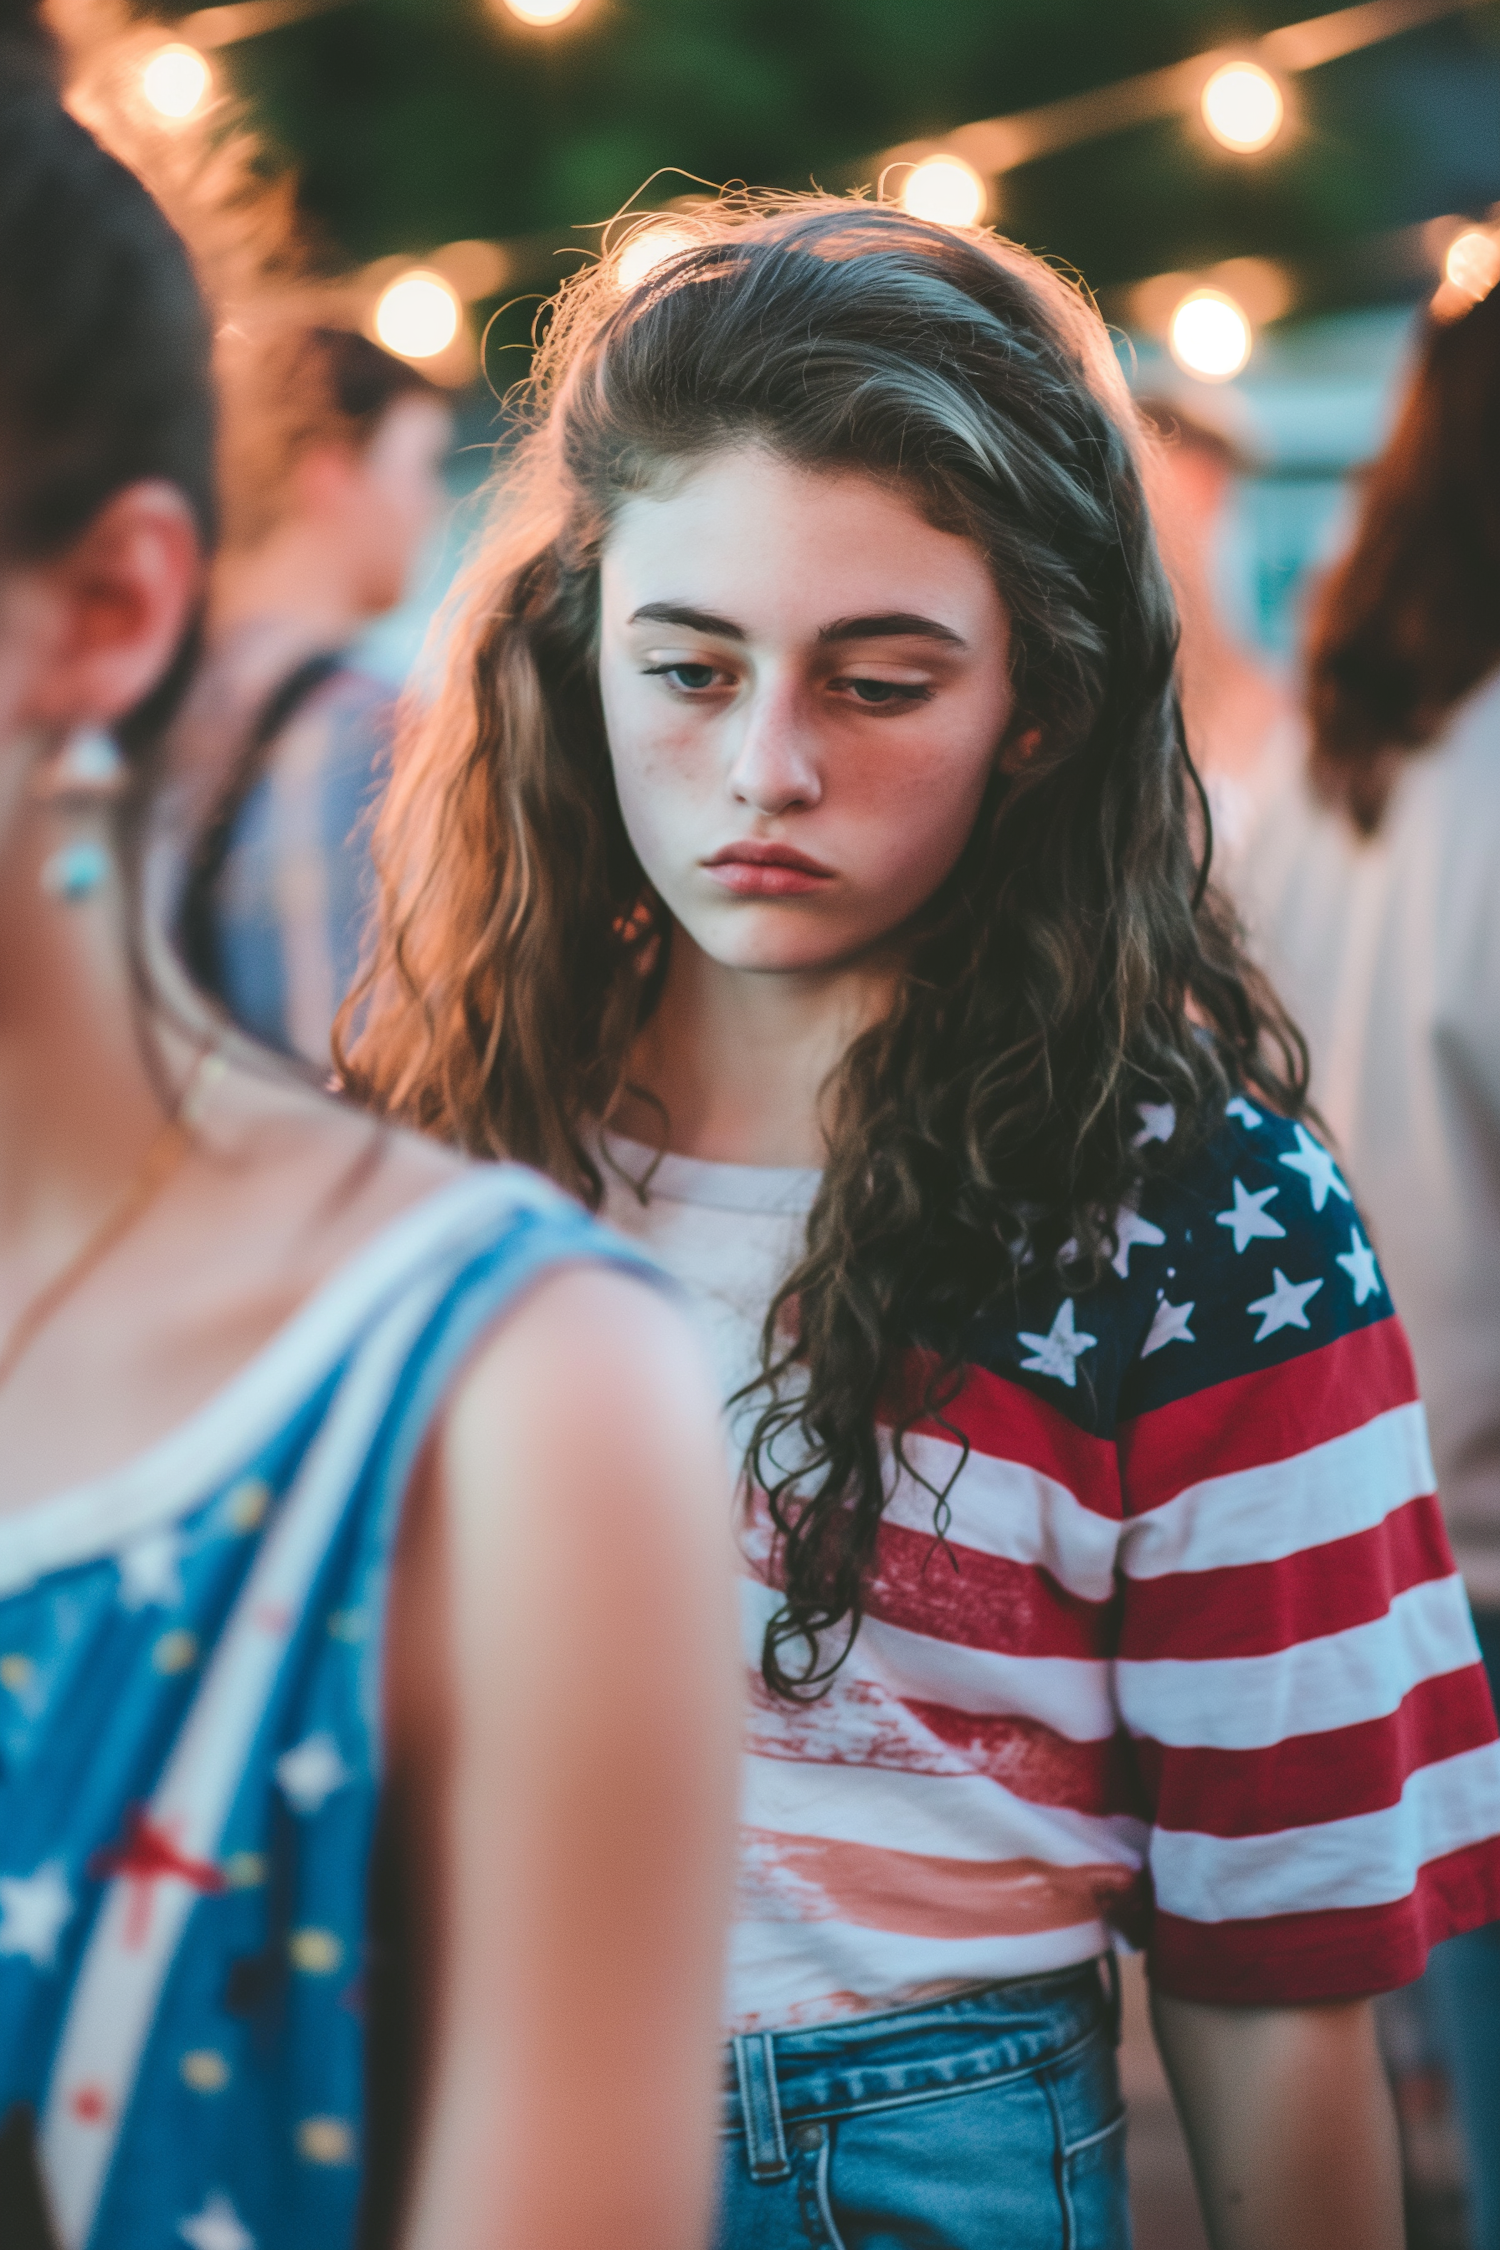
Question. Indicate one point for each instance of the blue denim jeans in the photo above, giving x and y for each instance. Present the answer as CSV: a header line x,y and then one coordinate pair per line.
x,y
992,2121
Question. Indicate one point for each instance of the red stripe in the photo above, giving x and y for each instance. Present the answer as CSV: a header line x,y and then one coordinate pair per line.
x,y
919,1894
1269,1416
972,1600
1316,1777
1254,1609
1290,1960
1010,1423
1044,1768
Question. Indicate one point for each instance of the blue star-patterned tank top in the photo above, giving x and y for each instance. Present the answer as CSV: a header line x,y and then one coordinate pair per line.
x,y
190,1761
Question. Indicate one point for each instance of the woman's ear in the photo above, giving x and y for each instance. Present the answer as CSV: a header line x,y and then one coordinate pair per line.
x,y
120,599
1018,750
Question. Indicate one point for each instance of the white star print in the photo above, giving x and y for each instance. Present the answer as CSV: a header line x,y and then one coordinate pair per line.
x,y
1320,1170
1169,1327
1358,1262
1250,1217
1241,1109
148,1572
1158,1122
311,1773
1058,1352
1130,1229
1284,1307
34,1910
217,2227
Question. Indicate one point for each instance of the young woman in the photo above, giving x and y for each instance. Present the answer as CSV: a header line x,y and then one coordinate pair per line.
x,y
1372,883
799,863
299,1520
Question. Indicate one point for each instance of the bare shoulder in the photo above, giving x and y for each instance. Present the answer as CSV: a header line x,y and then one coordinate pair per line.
x,y
595,1361
578,1469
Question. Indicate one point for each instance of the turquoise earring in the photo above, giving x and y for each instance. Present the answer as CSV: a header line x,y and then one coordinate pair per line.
x,y
87,774
75,872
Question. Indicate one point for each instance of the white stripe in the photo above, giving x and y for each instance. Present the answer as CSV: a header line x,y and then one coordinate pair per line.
x,y
1331,1491
1067,1693
114,1999
957,1816
1342,1680
203,1452
1005,1508
782,1974
1366,1860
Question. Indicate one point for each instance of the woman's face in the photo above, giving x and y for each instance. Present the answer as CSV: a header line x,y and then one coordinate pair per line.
x,y
805,686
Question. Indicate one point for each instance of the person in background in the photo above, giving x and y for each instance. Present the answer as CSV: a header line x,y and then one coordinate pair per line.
x,y
1240,720
332,453
1372,884
367,1713
796,862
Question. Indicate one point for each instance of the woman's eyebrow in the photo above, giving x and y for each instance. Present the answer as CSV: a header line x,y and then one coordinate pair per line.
x,y
695,620
896,625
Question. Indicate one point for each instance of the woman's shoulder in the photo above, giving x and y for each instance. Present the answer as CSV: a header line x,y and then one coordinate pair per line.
x,y
1262,1260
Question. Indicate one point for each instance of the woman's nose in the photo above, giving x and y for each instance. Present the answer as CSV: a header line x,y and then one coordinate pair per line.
x,y
775,765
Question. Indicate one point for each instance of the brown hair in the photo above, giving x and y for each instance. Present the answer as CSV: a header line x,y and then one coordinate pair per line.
x,y
1409,622
1071,963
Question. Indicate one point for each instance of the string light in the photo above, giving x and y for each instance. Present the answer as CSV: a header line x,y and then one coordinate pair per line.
x,y
1472,265
1243,107
646,250
1209,335
418,315
176,81
542,11
945,189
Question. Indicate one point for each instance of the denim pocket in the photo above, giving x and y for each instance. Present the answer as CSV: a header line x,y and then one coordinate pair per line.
x,y
1095,2191
973,2169
1085,2095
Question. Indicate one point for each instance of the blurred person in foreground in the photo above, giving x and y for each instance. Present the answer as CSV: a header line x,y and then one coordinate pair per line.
x,y
1372,883
366,1714
1240,721
332,453
797,863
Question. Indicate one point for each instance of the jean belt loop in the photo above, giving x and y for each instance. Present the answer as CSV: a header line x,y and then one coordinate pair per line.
x,y
765,2143
1109,1969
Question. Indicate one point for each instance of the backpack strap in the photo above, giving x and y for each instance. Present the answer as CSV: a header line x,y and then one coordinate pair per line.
x,y
197,919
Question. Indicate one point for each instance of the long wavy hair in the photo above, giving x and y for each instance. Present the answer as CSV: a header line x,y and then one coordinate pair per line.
x,y
1073,962
1409,622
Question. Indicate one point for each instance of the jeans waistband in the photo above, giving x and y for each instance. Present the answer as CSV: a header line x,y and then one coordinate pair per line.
x,y
911,2054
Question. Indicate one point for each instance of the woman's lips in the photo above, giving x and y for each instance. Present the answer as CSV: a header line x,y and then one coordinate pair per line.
x,y
766,871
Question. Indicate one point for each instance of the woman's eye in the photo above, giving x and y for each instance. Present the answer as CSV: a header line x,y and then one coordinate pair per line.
x,y
879,693
692,678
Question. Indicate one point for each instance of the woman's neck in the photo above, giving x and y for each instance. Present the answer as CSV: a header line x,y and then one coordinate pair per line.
x,y
740,1059
77,1102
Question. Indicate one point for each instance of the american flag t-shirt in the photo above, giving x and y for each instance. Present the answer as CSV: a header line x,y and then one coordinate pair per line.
x,y
1189,1662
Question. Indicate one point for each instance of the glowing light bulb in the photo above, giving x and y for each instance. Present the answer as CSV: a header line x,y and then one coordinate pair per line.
x,y
945,189
418,315
176,81
1209,335
1243,108
541,11
647,248
1472,265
